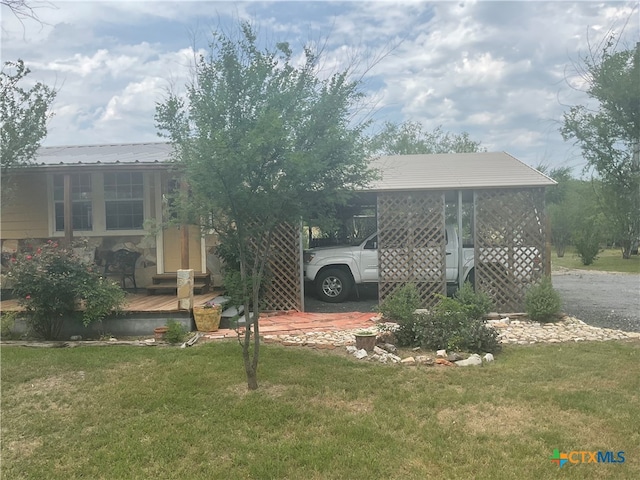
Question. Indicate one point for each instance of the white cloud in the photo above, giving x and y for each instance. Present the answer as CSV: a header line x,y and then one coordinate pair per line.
x,y
503,71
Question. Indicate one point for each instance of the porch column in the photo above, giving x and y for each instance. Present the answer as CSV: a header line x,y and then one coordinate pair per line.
x,y
184,233
68,210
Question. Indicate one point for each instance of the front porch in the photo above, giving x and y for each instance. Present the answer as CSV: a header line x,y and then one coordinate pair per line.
x,y
142,313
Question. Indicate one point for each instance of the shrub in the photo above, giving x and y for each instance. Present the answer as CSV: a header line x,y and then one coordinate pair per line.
x,y
542,301
401,304
477,304
587,246
175,333
400,307
7,323
448,325
52,283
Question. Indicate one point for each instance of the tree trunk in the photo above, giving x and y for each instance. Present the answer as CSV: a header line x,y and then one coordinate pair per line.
x,y
626,249
560,250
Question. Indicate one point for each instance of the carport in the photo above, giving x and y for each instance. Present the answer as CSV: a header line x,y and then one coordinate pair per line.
x,y
493,197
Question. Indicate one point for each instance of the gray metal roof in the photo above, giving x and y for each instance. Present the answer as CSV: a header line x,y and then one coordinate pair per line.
x,y
455,171
397,172
132,153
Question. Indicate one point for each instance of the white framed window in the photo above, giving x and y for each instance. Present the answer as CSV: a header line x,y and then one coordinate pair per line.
x,y
103,203
123,200
81,198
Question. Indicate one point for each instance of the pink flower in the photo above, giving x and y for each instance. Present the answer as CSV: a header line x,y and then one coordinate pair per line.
x,y
28,297
55,245
13,260
39,251
29,257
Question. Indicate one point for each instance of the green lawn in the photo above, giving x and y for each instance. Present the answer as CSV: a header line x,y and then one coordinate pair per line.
x,y
609,260
150,412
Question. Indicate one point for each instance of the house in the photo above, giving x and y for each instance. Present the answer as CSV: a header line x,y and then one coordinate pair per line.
x,y
118,197
118,192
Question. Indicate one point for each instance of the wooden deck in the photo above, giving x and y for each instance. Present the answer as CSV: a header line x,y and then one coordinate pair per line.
x,y
136,302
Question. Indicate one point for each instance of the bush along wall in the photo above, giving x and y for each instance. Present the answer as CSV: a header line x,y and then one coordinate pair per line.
x,y
52,283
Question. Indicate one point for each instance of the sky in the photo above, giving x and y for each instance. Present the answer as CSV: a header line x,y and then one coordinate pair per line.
x,y
505,72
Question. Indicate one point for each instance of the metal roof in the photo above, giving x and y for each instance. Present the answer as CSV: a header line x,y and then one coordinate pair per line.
x,y
455,171
131,153
449,171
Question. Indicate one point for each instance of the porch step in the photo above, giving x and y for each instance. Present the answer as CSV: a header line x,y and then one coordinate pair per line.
x,y
168,283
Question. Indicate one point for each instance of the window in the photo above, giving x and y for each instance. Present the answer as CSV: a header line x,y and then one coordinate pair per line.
x,y
123,200
81,201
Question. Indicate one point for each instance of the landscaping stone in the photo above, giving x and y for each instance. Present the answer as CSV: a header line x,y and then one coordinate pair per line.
x,y
408,361
444,361
389,347
360,354
441,354
424,360
454,357
379,351
488,358
473,360
351,349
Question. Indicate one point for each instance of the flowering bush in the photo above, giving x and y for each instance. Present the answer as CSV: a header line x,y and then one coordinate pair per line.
x,y
52,282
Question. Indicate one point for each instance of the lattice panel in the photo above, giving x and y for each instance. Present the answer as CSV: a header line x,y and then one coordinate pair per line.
x,y
283,290
510,235
411,243
284,268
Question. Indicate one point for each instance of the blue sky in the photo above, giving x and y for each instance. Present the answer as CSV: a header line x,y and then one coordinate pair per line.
x,y
502,71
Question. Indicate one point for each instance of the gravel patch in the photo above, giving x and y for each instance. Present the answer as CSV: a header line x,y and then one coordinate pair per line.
x,y
601,299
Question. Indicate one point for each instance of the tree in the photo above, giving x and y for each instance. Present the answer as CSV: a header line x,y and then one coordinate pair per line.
x,y
556,199
609,136
262,140
22,9
410,138
24,113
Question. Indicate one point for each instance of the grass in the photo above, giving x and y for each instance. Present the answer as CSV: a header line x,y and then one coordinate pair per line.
x,y
149,412
609,260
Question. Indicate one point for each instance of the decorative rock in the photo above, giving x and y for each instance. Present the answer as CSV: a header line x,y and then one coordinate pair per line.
x,y
408,361
441,353
351,349
455,357
379,351
394,358
360,354
391,348
473,360
424,360
442,361
75,338
488,358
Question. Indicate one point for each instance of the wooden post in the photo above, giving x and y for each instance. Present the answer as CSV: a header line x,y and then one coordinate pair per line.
x,y
184,234
68,210
547,245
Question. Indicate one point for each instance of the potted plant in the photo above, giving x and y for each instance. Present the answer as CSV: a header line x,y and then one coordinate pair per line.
x,y
207,316
366,339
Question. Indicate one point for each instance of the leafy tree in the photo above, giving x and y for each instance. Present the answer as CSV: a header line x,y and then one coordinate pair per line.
x,y
23,115
609,137
263,139
411,138
558,207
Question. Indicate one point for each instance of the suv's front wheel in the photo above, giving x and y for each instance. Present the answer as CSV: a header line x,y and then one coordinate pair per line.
x,y
333,285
